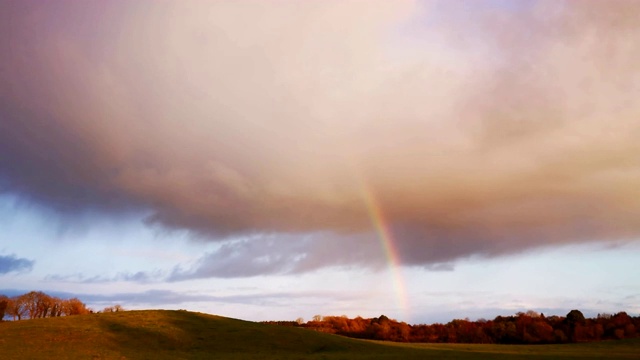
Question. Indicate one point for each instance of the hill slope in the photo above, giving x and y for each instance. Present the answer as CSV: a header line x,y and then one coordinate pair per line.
x,y
158,334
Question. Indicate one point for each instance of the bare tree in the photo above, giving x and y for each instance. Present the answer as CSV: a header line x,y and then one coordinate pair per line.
x,y
56,307
17,307
38,304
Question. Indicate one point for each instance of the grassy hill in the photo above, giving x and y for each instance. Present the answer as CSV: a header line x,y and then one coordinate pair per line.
x,y
156,334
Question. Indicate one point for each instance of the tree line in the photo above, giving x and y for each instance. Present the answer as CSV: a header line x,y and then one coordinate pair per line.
x,y
36,304
522,328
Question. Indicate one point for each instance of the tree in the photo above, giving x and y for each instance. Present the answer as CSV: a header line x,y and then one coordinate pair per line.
x,y
380,328
37,304
17,307
56,307
115,308
574,320
532,314
541,331
575,317
4,303
403,332
74,307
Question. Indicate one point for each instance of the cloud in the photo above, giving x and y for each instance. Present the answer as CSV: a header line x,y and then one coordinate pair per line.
x,y
283,254
11,263
142,277
159,297
163,297
476,130
278,255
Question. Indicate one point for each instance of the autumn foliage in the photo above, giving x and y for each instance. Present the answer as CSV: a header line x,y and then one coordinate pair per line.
x,y
523,328
36,304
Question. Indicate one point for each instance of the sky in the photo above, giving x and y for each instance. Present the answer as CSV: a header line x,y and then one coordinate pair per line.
x,y
270,160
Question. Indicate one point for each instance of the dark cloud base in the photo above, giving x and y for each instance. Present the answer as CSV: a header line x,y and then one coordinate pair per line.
x,y
284,138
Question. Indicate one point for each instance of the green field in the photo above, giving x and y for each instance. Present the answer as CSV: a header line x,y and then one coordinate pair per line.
x,y
155,334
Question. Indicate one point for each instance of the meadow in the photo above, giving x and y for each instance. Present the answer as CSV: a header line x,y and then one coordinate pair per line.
x,y
163,334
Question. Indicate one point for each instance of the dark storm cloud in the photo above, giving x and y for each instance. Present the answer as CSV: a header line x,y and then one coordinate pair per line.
x,y
12,263
480,131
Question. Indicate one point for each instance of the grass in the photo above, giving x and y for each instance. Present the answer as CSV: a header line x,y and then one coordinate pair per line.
x,y
157,334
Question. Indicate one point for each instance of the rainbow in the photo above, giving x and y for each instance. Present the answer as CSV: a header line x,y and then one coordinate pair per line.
x,y
386,240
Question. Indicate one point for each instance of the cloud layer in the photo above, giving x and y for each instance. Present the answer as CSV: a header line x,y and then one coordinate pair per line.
x,y
11,263
478,129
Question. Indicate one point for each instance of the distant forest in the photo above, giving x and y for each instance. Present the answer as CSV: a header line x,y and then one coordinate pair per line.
x,y
523,328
